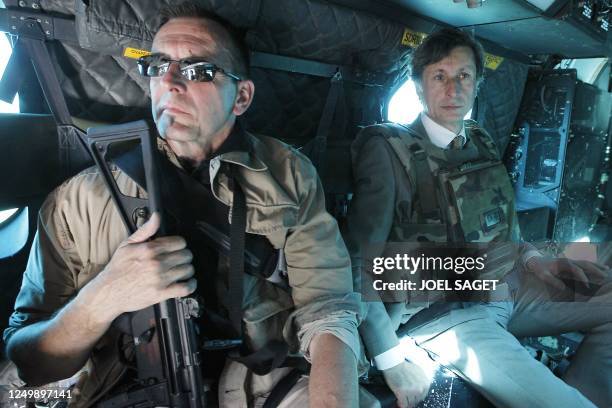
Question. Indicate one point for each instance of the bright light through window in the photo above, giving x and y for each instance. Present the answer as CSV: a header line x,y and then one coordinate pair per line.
x,y
4,215
405,106
5,53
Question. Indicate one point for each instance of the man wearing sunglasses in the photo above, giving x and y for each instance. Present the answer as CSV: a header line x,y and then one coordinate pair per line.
x,y
84,271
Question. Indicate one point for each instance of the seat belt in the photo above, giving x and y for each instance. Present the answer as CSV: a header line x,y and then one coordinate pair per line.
x,y
318,146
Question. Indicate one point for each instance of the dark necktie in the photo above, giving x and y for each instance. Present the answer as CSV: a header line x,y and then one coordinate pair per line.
x,y
456,143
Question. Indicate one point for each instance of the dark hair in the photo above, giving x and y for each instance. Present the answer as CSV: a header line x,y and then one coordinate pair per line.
x,y
238,50
439,45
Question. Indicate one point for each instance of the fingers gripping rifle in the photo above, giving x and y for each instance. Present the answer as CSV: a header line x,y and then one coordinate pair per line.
x,y
165,338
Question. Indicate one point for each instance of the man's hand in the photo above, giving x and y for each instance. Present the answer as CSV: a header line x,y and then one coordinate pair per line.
x,y
142,272
408,382
554,271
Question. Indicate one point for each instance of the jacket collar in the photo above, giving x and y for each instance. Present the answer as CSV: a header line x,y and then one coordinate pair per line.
x,y
245,157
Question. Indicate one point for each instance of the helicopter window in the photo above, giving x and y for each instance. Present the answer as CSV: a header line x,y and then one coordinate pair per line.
x,y
5,53
13,221
588,69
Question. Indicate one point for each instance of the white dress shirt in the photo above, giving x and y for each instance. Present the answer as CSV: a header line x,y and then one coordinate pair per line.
x,y
438,134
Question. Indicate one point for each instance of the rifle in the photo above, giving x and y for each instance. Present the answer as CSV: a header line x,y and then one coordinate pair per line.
x,y
165,338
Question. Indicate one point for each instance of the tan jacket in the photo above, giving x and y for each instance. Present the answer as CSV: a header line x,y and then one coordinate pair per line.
x,y
79,230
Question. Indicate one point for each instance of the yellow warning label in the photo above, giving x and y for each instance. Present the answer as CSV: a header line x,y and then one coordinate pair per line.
x,y
412,38
135,53
492,61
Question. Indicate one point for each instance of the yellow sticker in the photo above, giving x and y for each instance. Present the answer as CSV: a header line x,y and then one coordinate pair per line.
x,y
492,61
135,53
412,38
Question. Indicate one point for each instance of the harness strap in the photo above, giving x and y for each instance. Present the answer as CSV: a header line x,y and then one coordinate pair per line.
x,y
318,145
412,155
282,388
274,353
236,270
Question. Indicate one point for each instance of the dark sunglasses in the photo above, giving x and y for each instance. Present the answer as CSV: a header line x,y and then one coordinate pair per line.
x,y
156,65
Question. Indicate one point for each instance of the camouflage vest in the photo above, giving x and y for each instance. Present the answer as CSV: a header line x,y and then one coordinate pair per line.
x,y
459,195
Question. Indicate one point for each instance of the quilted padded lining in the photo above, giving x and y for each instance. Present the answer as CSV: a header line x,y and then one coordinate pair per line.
x,y
502,92
98,82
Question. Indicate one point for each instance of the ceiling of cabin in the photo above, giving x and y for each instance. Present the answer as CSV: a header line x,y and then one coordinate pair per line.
x,y
516,25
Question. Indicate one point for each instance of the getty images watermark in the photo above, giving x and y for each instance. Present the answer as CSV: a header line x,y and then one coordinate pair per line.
x,y
432,271
459,265
425,271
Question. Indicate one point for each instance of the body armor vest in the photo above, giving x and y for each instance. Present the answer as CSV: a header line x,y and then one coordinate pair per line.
x,y
460,195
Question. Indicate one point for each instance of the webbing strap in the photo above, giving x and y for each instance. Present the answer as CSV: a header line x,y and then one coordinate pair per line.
x,y
274,352
318,145
315,68
428,198
282,388
13,76
47,77
236,271
411,155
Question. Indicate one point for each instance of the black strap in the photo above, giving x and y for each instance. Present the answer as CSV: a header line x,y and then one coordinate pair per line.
x,y
271,356
17,20
318,146
315,68
13,76
33,29
428,315
47,77
237,238
428,202
282,388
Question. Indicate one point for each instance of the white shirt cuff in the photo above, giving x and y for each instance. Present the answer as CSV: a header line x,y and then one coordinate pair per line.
x,y
390,358
406,349
530,254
